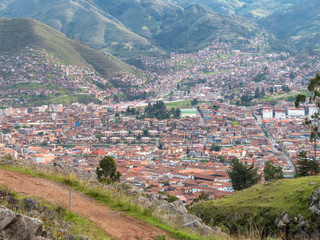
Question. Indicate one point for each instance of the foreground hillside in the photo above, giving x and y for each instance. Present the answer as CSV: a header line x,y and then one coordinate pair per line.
x,y
270,208
120,209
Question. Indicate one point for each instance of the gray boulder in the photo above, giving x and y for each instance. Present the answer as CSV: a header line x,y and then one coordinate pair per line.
x,y
315,202
175,207
281,224
195,224
92,177
302,223
19,227
285,218
144,202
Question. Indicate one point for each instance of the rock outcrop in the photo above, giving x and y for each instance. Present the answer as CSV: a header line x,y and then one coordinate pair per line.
x,y
19,227
176,213
175,207
315,202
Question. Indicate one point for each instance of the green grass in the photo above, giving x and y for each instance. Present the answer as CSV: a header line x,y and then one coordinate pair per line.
x,y
261,204
112,198
209,73
179,104
281,97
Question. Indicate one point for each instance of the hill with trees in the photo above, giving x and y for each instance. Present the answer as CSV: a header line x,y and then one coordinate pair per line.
x,y
287,208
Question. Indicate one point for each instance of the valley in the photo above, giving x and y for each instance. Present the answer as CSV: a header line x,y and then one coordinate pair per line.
x,y
177,93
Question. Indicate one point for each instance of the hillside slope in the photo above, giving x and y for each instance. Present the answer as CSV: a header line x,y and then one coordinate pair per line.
x,y
258,208
17,34
296,22
129,27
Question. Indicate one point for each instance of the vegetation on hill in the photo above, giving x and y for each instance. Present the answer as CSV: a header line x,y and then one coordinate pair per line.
x,y
242,175
107,170
256,208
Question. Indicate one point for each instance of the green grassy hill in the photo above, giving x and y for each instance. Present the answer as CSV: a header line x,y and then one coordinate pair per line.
x,y
17,34
258,207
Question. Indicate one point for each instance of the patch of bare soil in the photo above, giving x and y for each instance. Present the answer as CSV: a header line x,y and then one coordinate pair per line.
x,y
116,224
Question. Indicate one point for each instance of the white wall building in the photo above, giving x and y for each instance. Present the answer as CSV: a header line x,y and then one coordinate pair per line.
x,y
312,110
267,113
280,114
296,112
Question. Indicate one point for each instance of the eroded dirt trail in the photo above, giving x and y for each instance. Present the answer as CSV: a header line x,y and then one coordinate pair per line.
x,y
114,223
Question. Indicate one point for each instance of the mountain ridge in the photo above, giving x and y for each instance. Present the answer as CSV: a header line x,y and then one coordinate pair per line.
x,y
129,27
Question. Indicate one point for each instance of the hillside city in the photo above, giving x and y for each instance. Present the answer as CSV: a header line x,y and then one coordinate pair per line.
x,y
230,104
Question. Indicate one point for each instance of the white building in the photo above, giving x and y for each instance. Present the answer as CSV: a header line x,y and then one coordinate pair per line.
x,y
280,113
312,110
296,112
267,113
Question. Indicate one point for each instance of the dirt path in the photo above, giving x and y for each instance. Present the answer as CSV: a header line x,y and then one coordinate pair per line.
x,y
114,223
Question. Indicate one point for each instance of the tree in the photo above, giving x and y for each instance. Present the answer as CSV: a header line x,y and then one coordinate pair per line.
x,y
203,196
306,166
257,93
271,90
107,170
188,152
272,172
44,144
194,102
215,148
313,123
243,176
221,159
99,136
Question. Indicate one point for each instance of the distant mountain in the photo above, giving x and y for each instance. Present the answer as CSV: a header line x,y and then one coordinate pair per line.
x,y
129,27
299,24
225,7
296,22
20,33
198,25
249,8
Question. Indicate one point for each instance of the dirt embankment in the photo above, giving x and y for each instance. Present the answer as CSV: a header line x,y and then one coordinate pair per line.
x,y
114,223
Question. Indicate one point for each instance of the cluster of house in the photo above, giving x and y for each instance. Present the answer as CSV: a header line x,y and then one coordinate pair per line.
x,y
180,156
